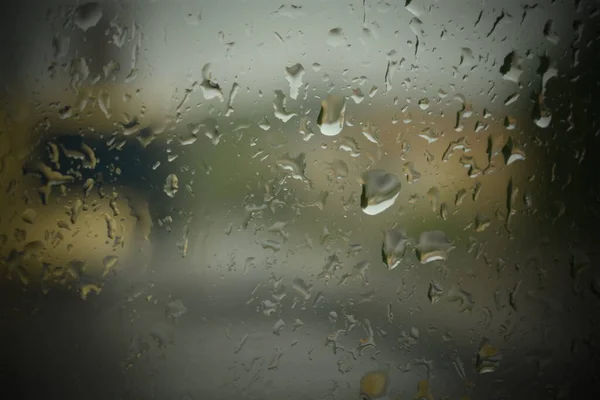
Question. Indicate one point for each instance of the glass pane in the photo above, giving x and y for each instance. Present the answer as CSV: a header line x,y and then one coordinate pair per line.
x,y
320,200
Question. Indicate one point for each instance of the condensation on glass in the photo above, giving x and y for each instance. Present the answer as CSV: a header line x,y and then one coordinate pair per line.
x,y
319,200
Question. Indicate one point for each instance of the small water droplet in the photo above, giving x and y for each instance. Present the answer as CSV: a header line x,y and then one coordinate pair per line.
x,y
171,186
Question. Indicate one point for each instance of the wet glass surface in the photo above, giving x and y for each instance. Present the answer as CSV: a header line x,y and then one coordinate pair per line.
x,y
321,200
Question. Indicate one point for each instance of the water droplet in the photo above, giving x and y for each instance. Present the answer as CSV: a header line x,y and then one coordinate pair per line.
x,y
379,191
432,246
271,244
456,294
104,103
434,198
241,343
111,226
488,358
264,124
171,186
512,153
274,363
88,185
357,95
371,132
412,175
429,134
87,15
210,89
294,78
510,123
414,7
394,247
460,196
349,144
297,324
338,169
361,269
511,69
424,103
278,327
444,211
416,26
374,384
466,57
511,99
549,32
423,391
109,263
296,166
76,210
176,309
279,107
304,289
332,114
542,116
29,216
435,292
336,38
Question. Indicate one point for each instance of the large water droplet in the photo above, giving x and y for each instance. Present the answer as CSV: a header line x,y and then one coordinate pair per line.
x,y
294,78
394,246
87,16
432,246
379,191
332,114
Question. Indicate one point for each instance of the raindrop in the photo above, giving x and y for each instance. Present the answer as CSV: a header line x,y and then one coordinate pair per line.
x,y
87,15
510,123
336,38
176,309
171,186
304,289
488,358
296,166
76,210
511,99
429,134
542,116
111,226
379,191
549,32
104,103
294,78
432,246
29,216
466,57
435,292
512,153
511,69
109,263
394,247
279,105
210,89
278,327
332,114
424,103
456,294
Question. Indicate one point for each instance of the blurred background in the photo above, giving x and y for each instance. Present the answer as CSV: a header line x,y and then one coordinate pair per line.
x,y
184,187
